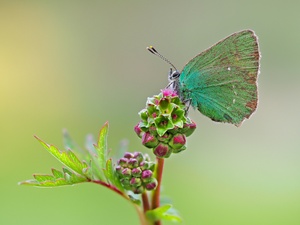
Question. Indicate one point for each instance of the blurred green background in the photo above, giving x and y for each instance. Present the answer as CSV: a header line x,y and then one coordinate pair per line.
x,y
77,64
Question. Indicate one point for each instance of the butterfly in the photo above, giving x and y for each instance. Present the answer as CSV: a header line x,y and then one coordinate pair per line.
x,y
221,82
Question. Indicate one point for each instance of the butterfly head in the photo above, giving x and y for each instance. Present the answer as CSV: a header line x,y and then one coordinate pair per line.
x,y
173,75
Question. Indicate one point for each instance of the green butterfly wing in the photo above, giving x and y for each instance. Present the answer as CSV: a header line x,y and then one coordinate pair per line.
x,y
221,82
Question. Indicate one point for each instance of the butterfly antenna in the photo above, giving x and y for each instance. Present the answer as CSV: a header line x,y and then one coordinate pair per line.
x,y
154,52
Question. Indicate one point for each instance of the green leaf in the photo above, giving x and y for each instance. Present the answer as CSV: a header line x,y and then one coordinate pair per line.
x,y
68,158
95,171
57,173
42,178
112,176
163,213
67,177
101,146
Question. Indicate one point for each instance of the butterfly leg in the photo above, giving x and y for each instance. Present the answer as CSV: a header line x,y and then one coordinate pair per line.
x,y
187,103
170,85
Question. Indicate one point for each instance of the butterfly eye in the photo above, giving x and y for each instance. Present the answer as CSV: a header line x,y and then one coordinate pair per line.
x,y
174,76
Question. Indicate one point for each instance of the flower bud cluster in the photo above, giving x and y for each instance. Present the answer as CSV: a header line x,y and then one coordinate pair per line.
x,y
135,172
164,126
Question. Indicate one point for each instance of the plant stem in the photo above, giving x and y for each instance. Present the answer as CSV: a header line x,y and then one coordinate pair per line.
x,y
145,200
156,194
142,215
111,187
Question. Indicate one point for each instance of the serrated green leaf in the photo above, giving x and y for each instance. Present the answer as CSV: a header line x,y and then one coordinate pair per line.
x,y
57,173
42,178
101,146
162,213
96,173
66,171
55,183
31,182
68,158
108,171
73,178
112,176
67,177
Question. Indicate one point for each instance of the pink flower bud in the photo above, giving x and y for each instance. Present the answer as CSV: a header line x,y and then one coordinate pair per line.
x,y
189,128
135,182
162,151
146,175
123,162
149,140
168,92
132,163
138,130
128,155
178,141
152,185
136,172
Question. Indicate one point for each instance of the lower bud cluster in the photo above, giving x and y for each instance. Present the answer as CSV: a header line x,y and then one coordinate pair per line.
x,y
135,172
164,126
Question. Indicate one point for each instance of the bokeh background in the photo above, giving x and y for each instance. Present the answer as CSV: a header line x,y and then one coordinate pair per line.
x,y
78,64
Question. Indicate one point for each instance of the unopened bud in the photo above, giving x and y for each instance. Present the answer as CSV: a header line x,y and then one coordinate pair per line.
x,y
151,185
149,140
162,151
178,141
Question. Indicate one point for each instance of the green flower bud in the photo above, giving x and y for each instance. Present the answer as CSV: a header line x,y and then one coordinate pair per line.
x,y
152,129
179,150
164,125
165,138
165,107
135,182
126,172
138,190
119,169
144,165
132,163
136,173
178,117
123,162
143,114
125,182
138,156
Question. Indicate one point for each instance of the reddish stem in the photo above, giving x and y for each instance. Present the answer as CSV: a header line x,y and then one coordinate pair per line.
x,y
156,195
145,200
111,187
141,214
